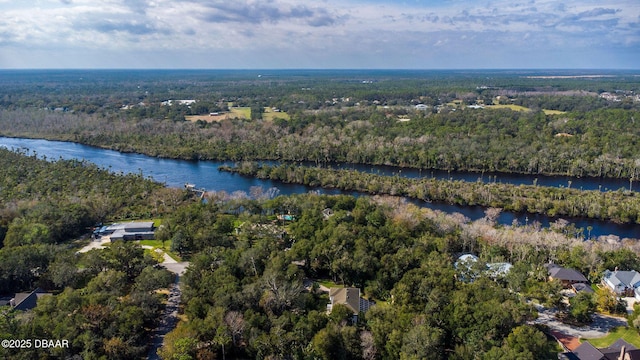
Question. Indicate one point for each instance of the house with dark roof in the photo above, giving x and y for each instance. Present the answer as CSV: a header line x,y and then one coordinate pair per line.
x,y
582,287
27,301
567,277
349,297
620,350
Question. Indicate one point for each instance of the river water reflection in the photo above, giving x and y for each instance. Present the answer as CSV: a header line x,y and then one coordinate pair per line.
x,y
205,174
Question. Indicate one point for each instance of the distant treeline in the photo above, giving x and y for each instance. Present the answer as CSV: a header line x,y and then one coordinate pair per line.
x,y
95,91
618,206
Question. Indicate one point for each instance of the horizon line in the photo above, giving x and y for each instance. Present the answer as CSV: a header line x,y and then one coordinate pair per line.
x,y
317,69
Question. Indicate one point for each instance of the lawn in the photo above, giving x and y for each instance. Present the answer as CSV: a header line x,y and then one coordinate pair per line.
x,y
152,243
628,334
157,244
328,283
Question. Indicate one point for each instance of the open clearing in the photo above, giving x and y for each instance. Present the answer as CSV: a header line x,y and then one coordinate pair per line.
x,y
553,112
207,118
236,112
508,106
269,114
239,113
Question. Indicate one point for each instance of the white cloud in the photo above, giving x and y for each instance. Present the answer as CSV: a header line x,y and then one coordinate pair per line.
x,y
338,33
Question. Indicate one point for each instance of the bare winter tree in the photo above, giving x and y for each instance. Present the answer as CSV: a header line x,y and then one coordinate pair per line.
x,y
235,323
492,214
367,342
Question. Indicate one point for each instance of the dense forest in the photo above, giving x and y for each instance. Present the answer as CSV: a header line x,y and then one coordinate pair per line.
x,y
106,301
250,288
260,266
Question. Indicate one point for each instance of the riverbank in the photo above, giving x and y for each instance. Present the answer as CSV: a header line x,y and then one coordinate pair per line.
x,y
175,173
543,178
616,206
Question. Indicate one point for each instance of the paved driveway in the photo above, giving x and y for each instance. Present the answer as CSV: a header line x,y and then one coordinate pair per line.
x,y
176,267
95,244
168,320
598,328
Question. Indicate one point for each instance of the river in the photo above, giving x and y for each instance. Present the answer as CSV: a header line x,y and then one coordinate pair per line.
x,y
205,174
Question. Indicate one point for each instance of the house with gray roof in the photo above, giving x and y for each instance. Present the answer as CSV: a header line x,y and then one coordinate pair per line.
x,y
620,350
623,283
140,230
27,301
349,297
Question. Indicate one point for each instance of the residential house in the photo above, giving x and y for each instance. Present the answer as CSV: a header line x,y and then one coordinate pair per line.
x,y
349,297
567,277
188,102
582,287
623,283
142,230
620,350
27,301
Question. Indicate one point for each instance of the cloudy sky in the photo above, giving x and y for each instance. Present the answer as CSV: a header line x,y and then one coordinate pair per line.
x,y
232,34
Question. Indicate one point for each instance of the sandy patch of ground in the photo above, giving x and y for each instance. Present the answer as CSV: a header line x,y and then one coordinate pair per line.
x,y
96,244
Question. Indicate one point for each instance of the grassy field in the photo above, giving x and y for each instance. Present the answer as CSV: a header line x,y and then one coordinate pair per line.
x,y
553,112
509,106
241,112
269,114
628,334
236,112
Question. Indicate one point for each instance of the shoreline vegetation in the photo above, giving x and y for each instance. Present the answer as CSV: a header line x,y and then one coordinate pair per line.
x,y
616,206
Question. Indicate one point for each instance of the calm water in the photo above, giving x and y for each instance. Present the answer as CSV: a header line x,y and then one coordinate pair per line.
x,y
205,174
582,183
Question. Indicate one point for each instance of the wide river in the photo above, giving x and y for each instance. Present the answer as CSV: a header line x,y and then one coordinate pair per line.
x,y
205,174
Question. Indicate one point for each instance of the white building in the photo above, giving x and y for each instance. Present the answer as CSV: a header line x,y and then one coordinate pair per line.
x,y
623,283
